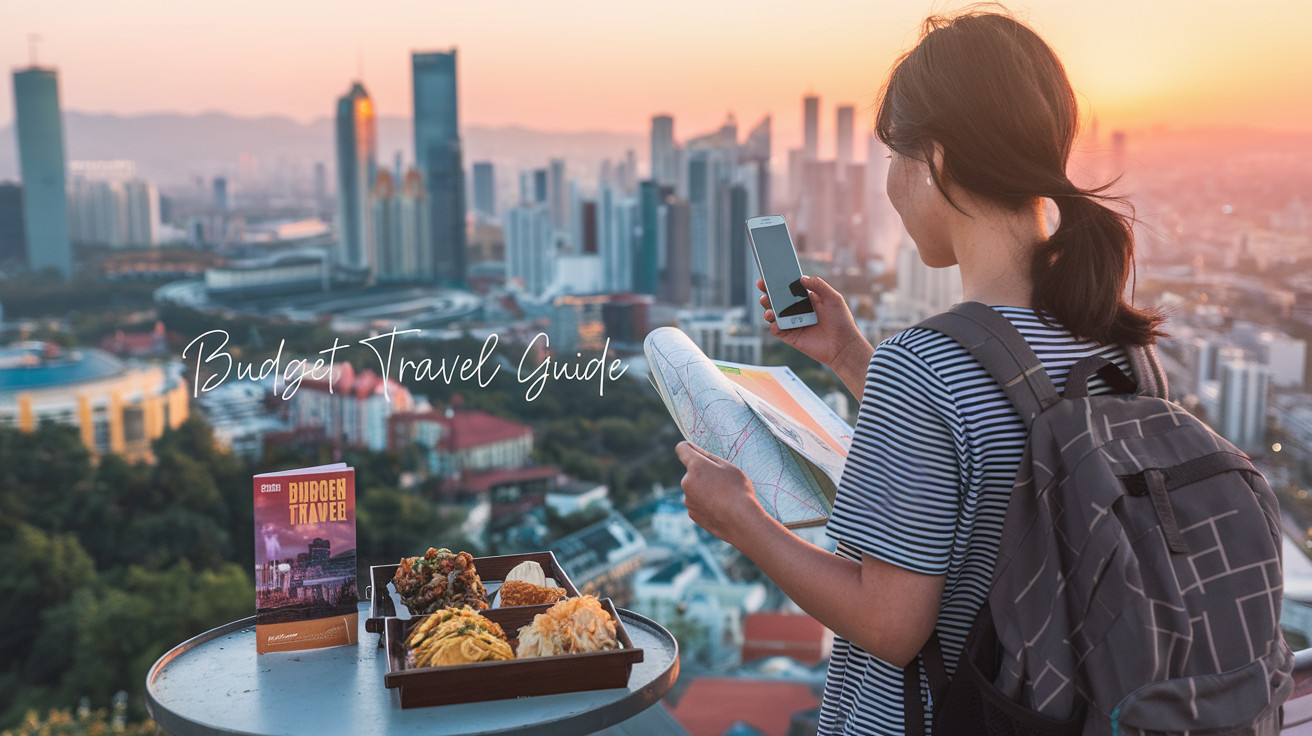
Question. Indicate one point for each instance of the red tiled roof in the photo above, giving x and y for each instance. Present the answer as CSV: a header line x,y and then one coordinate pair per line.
x,y
712,704
468,428
793,635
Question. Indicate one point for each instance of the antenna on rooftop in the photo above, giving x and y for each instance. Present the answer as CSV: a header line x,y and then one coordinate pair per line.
x,y
32,40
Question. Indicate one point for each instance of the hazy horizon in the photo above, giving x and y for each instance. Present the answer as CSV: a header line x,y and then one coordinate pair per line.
x,y
608,67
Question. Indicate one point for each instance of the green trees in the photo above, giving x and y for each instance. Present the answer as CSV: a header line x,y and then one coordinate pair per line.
x,y
108,566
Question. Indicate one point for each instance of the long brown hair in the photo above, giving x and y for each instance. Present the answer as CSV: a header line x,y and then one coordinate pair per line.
x,y
996,98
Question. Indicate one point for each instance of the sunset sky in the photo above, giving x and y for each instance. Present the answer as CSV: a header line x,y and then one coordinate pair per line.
x,y
610,65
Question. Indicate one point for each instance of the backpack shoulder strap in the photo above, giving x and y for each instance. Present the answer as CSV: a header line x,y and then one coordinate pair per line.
x,y
1148,371
1003,352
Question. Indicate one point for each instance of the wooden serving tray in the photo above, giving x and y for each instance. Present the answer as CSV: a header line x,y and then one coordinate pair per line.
x,y
490,569
512,678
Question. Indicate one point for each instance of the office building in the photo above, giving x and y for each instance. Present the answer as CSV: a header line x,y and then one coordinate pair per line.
x,y
647,266
13,242
40,133
756,149
439,157
401,228
530,247
558,196
220,191
109,205
843,150
675,222
1243,403
357,167
485,190
663,167
617,217
811,127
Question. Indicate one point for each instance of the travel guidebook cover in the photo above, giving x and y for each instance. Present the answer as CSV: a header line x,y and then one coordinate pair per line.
x,y
305,588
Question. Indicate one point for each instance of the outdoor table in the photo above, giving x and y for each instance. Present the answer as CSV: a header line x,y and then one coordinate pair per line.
x,y
215,683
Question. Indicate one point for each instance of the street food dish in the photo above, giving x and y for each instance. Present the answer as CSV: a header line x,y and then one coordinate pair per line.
x,y
438,580
520,593
572,626
456,636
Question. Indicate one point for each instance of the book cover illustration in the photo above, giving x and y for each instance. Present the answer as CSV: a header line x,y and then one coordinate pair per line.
x,y
305,575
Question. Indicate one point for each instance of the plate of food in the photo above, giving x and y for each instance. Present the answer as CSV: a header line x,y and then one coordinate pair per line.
x,y
458,655
441,578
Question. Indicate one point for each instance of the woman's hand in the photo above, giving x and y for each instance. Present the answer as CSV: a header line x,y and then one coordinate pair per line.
x,y
719,496
834,339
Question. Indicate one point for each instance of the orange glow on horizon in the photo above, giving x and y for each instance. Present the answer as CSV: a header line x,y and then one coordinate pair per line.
x,y
604,66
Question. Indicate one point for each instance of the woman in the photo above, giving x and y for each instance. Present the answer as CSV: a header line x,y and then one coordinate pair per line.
x,y
980,119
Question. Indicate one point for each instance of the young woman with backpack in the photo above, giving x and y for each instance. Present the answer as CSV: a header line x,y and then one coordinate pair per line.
x,y
980,120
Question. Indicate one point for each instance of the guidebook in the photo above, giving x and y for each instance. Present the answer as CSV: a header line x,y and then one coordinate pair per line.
x,y
787,441
305,591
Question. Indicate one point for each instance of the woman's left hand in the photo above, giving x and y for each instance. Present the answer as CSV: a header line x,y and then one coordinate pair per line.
x,y
719,496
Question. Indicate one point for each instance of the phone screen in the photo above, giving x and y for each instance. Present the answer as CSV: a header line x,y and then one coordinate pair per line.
x,y
783,277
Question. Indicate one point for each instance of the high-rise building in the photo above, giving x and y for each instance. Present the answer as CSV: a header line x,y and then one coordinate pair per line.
x,y
647,267
13,243
541,179
485,189
221,202
663,169
811,126
756,149
616,216
1244,387
558,195
530,247
320,184
109,205
357,167
676,231
40,128
846,116
400,222
439,157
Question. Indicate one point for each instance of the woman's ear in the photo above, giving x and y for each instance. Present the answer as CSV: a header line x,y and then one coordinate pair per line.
x,y
936,160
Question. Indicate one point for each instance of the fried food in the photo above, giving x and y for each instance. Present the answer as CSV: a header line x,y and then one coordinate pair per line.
x,y
455,636
520,593
573,626
438,580
529,572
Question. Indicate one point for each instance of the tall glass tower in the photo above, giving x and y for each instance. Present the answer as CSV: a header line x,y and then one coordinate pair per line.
x,y
437,151
357,166
41,161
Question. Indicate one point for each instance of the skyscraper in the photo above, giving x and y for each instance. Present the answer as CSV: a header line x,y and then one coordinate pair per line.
x,y
558,196
400,224
530,251
357,167
662,151
811,127
437,151
485,189
846,114
13,243
40,129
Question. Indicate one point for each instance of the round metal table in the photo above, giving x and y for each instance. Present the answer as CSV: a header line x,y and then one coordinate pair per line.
x,y
216,684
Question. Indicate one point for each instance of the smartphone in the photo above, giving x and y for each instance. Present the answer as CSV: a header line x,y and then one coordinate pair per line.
x,y
777,260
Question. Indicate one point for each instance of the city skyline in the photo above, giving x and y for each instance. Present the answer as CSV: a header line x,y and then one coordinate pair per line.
x,y
543,68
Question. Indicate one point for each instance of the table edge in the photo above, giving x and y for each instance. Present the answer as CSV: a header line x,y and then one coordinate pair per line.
x,y
593,720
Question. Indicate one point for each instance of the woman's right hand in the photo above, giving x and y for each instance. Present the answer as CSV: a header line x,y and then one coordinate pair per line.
x,y
833,340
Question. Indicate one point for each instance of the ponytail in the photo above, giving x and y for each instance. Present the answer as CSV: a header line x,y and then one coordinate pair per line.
x,y
1079,274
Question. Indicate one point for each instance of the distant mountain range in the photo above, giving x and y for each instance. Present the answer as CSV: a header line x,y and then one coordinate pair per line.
x,y
172,148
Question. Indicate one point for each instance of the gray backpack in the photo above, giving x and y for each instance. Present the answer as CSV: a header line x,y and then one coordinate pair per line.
x,y
1138,583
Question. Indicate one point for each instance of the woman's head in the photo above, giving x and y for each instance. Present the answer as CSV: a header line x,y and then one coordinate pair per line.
x,y
986,104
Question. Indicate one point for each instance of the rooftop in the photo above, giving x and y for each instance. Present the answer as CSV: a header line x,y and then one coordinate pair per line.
x,y
712,705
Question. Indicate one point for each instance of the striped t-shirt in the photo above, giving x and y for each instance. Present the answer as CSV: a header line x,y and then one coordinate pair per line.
x,y
933,458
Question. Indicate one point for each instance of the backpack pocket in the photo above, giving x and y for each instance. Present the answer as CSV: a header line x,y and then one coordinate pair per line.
x,y
1241,702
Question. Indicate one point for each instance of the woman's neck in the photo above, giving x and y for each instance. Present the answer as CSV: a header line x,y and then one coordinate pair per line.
x,y
994,249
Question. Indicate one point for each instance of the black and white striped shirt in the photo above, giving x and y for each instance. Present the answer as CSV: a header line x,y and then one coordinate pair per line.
x,y
933,458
